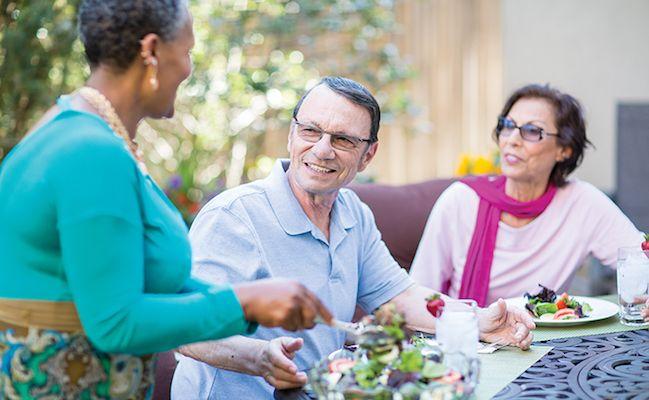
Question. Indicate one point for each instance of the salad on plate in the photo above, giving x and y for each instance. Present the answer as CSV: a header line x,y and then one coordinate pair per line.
x,y
546,305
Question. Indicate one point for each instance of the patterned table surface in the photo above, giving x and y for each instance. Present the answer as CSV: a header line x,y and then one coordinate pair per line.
x,y
606,366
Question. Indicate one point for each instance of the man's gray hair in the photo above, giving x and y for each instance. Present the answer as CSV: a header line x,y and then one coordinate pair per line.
x,y
354,92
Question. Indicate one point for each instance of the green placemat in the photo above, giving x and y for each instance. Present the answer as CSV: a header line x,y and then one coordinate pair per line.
x,y
608,325
498,369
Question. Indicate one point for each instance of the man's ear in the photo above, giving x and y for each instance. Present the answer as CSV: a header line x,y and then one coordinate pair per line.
x,y
368,156
290,137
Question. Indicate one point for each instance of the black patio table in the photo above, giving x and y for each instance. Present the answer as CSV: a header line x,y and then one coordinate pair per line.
x,y
607,366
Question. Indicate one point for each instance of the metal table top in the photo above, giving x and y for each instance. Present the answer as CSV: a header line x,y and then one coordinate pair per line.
x,y
606,366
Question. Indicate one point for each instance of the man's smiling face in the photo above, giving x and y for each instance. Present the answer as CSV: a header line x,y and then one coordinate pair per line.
x,y
318,168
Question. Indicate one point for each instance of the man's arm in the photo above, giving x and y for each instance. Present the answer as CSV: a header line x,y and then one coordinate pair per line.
x,y
238,353
226,249
271,360
497,323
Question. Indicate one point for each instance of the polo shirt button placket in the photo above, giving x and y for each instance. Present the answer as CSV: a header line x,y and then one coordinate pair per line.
x,y
334,277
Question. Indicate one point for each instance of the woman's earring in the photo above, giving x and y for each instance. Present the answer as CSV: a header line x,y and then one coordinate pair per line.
x,y
153,62
154,79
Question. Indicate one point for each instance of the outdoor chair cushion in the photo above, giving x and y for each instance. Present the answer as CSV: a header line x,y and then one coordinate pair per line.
x,y
401,213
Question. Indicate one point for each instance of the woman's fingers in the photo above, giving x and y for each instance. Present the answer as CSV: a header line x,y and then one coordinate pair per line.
x,y
321,309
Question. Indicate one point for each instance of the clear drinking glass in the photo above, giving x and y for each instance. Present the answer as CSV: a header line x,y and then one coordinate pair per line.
x,y
457,334
632,284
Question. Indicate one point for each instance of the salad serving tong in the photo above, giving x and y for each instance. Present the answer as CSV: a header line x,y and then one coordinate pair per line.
x,y
354,329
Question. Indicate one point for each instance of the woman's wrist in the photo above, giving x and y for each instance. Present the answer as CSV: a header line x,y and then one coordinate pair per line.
x,y
245,294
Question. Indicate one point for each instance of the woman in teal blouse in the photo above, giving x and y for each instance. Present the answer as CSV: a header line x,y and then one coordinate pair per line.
x,y
94,259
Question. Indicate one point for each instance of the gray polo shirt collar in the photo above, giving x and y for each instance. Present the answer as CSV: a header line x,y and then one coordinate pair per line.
x,y
287,209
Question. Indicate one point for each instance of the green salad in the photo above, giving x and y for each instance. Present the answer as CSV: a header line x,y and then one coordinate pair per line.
x,y
547,305
389,363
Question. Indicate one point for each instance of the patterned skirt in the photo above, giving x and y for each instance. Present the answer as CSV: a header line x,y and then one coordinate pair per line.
x,y
49,364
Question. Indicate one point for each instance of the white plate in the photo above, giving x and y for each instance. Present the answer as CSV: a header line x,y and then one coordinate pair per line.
x,y
602,309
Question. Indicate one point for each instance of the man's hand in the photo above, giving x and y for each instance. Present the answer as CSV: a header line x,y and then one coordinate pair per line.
x,y
645,312
276,365
500,324
280,302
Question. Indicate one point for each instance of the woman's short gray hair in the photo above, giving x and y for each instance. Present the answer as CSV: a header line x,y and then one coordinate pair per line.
x,y
111,30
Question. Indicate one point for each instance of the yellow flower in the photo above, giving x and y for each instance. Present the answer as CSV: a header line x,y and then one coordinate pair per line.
x,y
478,164
483,166
464,167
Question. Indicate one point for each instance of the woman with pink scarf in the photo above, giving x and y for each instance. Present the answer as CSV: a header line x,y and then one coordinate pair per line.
x,y
501,236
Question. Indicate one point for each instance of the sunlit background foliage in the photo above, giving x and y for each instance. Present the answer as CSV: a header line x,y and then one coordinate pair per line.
x,y
40,58
252,62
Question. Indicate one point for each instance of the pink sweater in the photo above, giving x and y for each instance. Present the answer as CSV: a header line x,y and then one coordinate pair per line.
x,y
580,220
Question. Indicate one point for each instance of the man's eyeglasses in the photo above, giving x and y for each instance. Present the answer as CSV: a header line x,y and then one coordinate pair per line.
x,y
528,132
313,134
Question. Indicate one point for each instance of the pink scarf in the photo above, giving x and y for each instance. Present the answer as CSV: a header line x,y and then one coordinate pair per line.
x,y
493,200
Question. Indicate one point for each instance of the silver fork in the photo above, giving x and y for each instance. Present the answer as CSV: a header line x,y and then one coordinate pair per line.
x,y
488,348
352,328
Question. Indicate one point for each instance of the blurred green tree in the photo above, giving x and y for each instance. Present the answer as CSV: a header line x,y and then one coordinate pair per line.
x,y
252,61
40,58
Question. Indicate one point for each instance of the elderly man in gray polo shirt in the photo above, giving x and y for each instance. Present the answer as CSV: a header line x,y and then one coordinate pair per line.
x,y
300,223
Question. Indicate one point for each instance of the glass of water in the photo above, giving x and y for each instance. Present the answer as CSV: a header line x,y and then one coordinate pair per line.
x,y
632,284
457,334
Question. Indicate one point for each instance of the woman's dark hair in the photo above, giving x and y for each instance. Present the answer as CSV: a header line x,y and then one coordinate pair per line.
x,y
354,92
112,29
571,127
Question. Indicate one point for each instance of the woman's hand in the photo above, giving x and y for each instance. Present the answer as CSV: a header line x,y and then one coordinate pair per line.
x,y
501,324
280,303
645,312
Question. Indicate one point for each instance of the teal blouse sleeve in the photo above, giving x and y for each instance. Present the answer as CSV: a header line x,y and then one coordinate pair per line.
x,y
101,239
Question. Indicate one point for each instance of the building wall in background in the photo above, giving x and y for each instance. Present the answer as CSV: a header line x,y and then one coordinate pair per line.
x,y
596,50
455,48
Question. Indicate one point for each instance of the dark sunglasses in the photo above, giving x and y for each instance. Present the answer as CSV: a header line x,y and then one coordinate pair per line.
x,y
528,132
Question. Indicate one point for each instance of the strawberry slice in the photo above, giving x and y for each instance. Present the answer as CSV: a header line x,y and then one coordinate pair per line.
x,y
435,305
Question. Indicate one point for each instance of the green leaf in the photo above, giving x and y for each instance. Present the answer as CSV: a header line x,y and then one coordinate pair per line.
x,y
366,374
410,361
545,308
433,370
395,331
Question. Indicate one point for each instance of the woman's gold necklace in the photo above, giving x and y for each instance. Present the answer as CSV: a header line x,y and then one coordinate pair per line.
x,y
106,111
